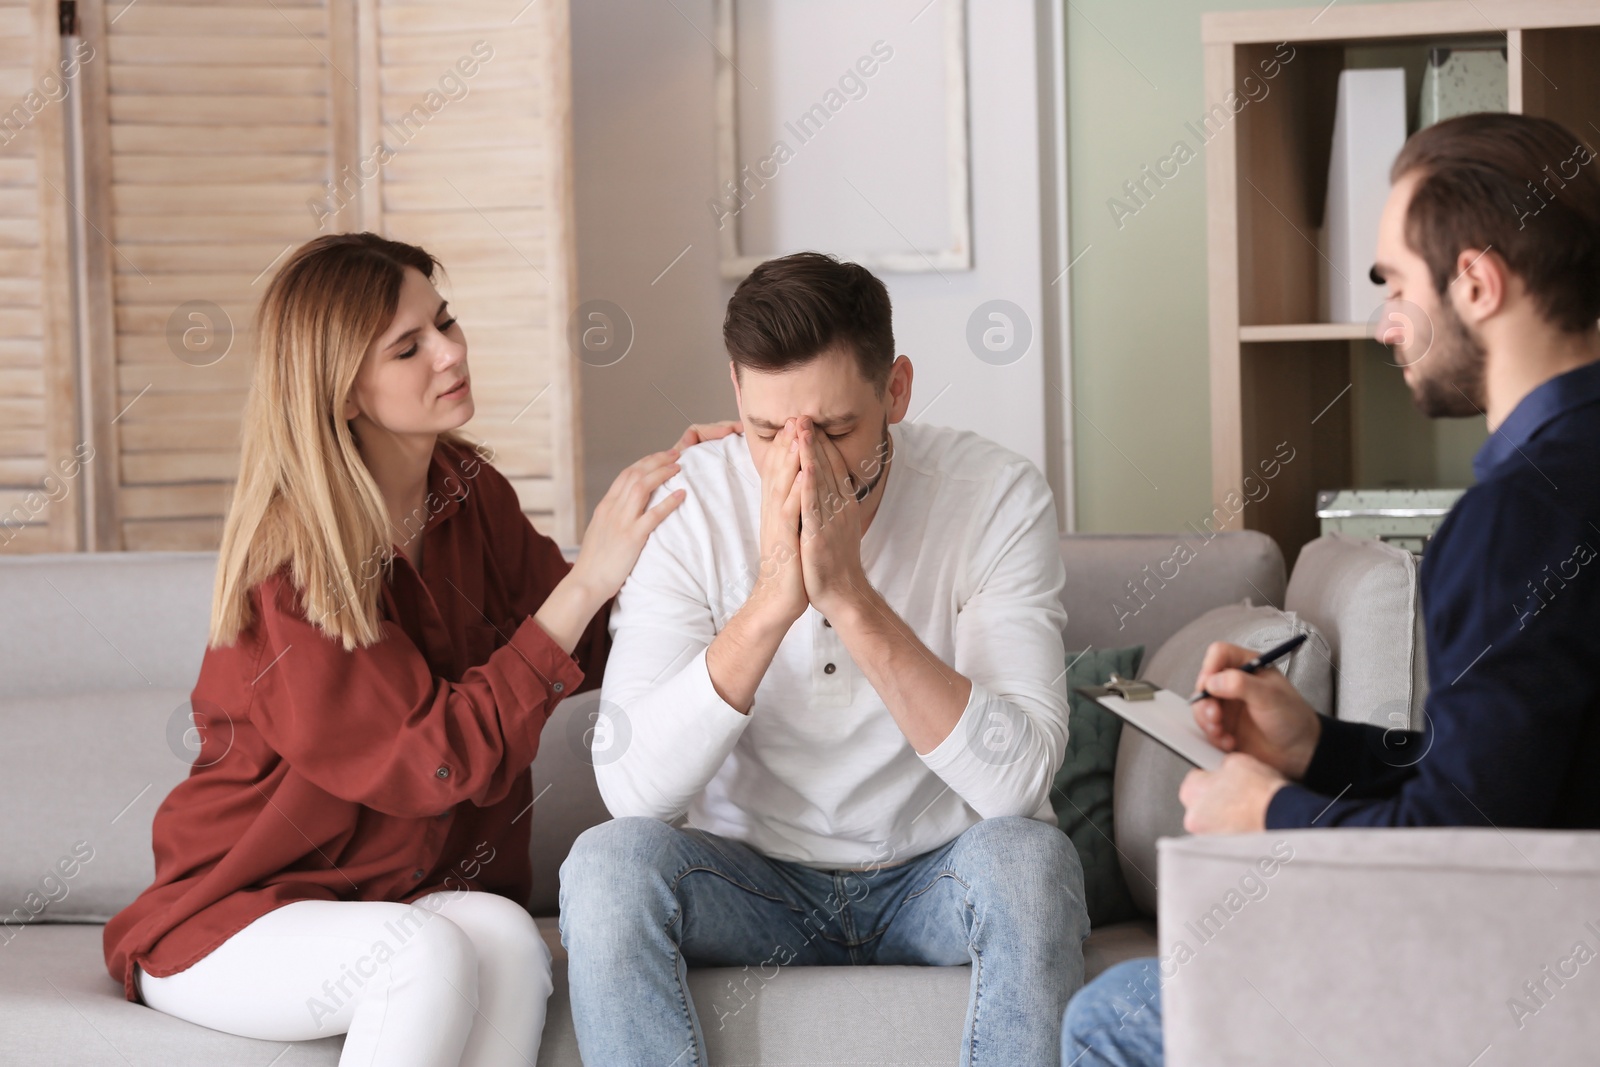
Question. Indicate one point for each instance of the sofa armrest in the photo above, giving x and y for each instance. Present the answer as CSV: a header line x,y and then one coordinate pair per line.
x,y
1424,946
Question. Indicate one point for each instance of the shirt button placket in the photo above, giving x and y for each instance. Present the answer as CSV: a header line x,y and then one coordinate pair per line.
x,y
831,683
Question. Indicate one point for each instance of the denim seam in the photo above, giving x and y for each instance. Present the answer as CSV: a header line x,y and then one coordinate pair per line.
x,y
678,969
946,873
692,868
977,1000
752,890
973,929
847,925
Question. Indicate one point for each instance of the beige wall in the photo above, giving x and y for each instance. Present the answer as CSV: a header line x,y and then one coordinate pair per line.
x,y
645,168
1139,292
645,156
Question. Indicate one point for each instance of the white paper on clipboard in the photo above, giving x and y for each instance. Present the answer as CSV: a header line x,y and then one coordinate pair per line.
x,y
1170,720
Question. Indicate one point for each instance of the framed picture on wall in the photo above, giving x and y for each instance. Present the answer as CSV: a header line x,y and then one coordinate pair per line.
x,y
842,127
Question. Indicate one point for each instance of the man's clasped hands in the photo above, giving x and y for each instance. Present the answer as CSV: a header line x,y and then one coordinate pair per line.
x,y
811,523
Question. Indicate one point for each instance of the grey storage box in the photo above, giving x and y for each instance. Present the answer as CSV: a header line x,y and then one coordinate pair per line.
x,y
1405,518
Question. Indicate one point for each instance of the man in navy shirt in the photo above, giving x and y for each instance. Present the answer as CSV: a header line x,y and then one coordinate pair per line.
x,y
1490,247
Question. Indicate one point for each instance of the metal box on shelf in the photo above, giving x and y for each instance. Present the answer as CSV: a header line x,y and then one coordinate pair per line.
x,y
1405,518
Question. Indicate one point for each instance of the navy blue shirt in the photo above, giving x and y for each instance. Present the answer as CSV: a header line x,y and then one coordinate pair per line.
x,y
1511,609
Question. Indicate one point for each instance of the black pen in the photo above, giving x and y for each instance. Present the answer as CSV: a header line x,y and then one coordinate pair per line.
x,y
1262,660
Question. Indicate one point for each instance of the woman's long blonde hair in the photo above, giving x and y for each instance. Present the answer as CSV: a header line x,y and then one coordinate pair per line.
x,y
304,493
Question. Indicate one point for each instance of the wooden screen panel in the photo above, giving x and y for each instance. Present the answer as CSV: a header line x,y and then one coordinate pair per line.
x,y
214,140
470,103
43,459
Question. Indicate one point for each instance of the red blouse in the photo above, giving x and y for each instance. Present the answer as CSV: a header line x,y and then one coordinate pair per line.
x,y
384,773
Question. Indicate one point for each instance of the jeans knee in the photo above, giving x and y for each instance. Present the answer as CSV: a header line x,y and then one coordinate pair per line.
x,y
615,872
609,853
1013,837
1030,864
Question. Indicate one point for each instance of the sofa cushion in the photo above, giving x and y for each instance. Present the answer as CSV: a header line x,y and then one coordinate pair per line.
x,y
53,981
86,774
1148,774
101,763
566,797
1138,589
98,621
1309,668
1363,595
1110,945
58,1006
1081,795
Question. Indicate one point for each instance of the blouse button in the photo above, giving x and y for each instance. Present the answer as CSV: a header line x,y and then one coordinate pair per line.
x,y
442,772
829,669
558,686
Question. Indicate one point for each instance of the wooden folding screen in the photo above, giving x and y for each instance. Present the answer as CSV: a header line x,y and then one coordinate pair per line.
x,y
218,136
43,474
473,100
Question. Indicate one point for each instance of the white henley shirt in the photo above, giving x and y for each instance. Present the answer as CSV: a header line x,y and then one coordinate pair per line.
x,y
964,547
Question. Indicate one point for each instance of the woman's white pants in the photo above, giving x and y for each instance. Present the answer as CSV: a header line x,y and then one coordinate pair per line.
x,y
455,978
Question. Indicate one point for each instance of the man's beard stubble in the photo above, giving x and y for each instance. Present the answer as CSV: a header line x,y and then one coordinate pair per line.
x,y
1452,386
884,457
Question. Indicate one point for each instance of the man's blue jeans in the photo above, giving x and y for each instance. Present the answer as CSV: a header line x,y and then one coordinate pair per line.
x,y
641,902
1115,1020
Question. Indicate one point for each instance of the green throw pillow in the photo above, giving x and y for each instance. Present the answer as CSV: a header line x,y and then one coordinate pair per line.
x,y
1082,793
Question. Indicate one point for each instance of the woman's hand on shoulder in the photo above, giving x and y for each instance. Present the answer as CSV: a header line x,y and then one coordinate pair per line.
x,y
707,431
623,521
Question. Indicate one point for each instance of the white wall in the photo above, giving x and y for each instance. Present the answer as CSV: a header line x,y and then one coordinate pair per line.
x,y
644,121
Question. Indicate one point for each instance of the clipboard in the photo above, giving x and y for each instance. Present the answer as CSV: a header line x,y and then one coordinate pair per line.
x,y
1157,713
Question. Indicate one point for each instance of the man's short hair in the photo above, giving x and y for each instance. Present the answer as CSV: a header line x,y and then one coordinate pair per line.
x,y
790,310
1525,187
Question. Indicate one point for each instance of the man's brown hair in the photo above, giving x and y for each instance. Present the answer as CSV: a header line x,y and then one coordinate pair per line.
x,y
1525,187
790,310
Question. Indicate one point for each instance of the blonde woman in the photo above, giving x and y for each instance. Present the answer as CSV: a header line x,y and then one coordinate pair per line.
x,y
388,636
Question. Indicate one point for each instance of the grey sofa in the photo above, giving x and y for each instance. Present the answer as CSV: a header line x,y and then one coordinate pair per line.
x,y
99,653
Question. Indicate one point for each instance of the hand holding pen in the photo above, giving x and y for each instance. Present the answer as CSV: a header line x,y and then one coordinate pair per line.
x,y
1277,652
1242,708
